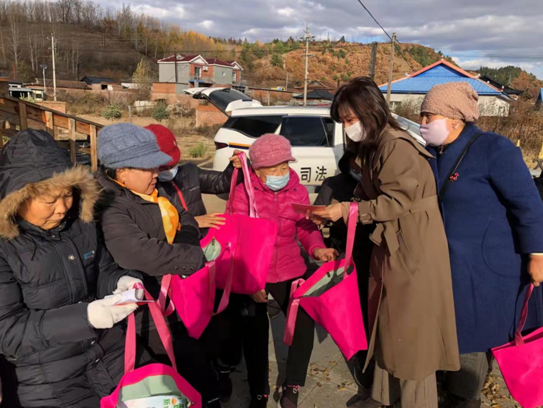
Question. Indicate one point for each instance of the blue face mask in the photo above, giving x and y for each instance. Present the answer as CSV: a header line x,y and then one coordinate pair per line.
x,y
168,175
354,174
276,183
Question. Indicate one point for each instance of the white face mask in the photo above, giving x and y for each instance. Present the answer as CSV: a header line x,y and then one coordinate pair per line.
x,y
356,132
168,175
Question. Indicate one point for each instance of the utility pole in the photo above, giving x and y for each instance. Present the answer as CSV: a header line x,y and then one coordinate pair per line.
x,y
373,60
175,66
389,88
306,80
53,45
44,67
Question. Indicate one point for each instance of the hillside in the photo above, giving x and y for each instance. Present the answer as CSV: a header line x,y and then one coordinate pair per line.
x,y
331,62
516,78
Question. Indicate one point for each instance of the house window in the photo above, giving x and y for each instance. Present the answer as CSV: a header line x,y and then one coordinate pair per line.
x,y
224,74
395,105
197,72
234,76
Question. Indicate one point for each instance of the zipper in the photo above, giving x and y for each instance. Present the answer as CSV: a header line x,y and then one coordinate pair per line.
x,y
70,291
276,246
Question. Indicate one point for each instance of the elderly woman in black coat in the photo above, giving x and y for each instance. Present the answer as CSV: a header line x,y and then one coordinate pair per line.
x,y
61,343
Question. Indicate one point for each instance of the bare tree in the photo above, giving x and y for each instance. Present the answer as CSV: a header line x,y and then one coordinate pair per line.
x,y
65,8
14,22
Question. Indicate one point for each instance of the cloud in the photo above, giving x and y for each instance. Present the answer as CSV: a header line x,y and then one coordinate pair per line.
x,y
486,31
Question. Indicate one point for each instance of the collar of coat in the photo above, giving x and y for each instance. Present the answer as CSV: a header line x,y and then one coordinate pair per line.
x,y
76,177
389,135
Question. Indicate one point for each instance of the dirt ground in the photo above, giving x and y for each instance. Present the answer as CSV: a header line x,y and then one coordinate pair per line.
x,y
184,129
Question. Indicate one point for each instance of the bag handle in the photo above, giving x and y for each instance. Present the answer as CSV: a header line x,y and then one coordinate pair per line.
x,y
180,195
449,178
351,232
519,341
253,213
162,329
163,295
225,299
292,313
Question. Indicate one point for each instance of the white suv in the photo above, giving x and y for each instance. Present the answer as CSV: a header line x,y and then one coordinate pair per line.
x,y
317,141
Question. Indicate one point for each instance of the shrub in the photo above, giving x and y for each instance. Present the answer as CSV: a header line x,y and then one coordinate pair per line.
x,y
112,112
161,112
197,151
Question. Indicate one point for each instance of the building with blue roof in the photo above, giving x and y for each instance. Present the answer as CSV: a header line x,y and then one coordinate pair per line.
x,y
412,89
539,101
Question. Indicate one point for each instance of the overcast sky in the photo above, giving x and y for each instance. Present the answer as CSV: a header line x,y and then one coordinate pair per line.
x,y
475,32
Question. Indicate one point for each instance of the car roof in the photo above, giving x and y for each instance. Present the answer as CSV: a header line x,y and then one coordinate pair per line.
x,y
282,110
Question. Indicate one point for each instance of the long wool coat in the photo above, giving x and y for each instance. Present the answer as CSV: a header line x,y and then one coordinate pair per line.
x,y
493,216
411,301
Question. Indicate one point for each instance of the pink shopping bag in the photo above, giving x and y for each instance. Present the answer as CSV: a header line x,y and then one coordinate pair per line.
x,y
251,239
521,362
330,296
153,385
193,297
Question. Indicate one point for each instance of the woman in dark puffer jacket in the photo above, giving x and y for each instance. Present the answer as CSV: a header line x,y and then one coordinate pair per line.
x,y
53,267
145,230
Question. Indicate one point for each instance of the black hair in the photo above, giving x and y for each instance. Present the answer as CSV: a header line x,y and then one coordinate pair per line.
x,y
365,99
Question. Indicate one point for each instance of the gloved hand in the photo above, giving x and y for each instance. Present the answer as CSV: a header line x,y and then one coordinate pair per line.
x,y
126,283
103,314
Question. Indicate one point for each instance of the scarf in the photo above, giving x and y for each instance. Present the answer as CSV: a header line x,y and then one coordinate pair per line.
x,y
170,216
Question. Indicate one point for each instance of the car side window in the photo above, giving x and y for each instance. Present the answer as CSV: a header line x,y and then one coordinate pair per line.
x,y
254,126
308,131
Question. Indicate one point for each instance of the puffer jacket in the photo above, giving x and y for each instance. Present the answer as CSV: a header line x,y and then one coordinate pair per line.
x,y
287,261
48,278
193,182
135,237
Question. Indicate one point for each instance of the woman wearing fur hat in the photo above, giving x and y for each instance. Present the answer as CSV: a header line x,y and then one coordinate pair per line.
x,y
493,217
144,229
53,267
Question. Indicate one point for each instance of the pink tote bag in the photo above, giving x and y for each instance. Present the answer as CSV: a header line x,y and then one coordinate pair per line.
x,y
251,239
153,385
330,296
521,362
193,297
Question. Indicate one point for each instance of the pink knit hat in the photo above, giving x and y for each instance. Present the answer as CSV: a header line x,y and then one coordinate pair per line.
x,y
270,150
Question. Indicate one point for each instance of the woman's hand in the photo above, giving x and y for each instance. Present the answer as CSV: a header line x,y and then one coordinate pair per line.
x,y
126,283
235,160
332,213
535,268
325,254
210,221
260,297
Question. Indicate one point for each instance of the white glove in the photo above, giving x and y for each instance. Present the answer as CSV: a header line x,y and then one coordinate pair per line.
x,y
103,314
126,283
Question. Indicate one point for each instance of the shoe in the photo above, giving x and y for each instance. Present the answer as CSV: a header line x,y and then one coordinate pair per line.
x,y
225,384
362,395
456,402
260,401
289,396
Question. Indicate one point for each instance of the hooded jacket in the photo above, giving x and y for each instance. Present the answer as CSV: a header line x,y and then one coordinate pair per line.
x,y
48,278
287,262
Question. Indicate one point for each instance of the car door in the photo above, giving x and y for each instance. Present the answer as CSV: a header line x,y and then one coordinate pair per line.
x,y
313,145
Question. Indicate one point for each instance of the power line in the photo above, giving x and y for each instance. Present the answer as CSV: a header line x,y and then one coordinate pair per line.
x,y
394,41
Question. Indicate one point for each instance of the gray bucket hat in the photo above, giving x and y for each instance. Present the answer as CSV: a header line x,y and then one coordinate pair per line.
x,y
124,145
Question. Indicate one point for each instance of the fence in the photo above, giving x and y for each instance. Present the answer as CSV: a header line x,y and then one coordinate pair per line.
x,y
17,115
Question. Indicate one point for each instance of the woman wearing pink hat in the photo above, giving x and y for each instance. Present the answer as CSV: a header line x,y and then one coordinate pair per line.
x,y
277,186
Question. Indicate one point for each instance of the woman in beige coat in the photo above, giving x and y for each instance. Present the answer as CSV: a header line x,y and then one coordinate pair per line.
x,y
413,332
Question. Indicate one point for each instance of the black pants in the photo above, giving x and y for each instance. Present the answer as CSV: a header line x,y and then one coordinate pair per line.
x,y
191,358
243,329
299,353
